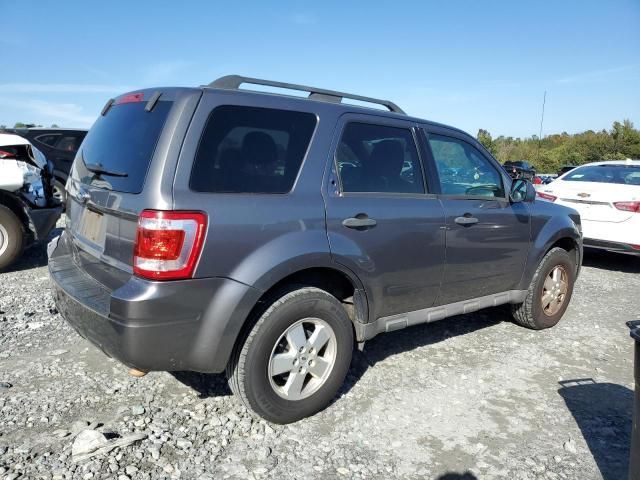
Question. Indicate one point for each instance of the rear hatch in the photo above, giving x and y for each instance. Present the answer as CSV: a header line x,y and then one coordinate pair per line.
x,y
126,164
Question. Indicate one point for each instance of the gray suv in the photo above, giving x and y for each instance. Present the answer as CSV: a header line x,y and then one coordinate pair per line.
x,y
219,228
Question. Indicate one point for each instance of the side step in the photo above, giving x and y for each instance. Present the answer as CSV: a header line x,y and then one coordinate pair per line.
x,y
433,314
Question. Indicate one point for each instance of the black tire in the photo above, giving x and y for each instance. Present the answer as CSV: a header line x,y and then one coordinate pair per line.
x,y
59,191
248,368
11,237
530,313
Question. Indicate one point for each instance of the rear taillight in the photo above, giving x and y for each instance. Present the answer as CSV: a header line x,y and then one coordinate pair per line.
x,y
628,206
537,180
168,244
4,154
546,196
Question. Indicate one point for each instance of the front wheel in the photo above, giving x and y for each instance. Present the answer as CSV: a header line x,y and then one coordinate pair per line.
x,y
549,293
295,358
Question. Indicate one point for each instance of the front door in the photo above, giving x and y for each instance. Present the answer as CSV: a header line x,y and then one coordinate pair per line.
x,y
487,236
381,222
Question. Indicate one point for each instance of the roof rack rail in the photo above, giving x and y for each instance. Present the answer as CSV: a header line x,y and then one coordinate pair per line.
x,y
233,82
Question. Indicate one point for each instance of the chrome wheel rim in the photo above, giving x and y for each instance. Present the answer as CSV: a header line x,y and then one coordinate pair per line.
x,y
302,359
554,290
4,239
57,193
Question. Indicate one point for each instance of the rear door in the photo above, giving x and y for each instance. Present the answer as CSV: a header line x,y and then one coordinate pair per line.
x,y
487,237
381,221
112,178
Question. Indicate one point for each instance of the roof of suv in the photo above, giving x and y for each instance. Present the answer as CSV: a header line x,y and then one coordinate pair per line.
x,y
331,97
49,129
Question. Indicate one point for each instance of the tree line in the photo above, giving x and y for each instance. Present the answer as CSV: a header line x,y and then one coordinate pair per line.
x,y
551,152
26,125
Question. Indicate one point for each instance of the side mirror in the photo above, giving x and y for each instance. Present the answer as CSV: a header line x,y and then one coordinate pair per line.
x,y
522,190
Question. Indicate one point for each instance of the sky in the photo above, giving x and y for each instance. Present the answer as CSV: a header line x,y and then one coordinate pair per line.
x,y
464,63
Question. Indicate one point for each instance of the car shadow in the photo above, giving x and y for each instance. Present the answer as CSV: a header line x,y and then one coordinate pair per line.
x,y
206,384
215,384
457,476
611,261
603,412
392,343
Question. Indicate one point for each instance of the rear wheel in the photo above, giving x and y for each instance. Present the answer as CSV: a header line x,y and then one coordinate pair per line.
x,y
295,358
549,292
11,237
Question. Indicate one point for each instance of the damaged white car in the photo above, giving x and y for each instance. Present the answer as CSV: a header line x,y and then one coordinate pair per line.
x,y
28,210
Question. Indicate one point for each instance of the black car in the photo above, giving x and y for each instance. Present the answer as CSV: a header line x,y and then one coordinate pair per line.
x,y
519,169
60,146
566,168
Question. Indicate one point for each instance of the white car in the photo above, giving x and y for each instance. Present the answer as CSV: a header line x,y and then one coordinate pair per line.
x,y
607,196
28,210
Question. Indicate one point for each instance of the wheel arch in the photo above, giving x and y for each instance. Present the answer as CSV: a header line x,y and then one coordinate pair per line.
x,y
331,277
553,235
17,208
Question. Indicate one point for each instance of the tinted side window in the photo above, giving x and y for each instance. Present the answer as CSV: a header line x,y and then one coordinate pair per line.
x,y
251,150
376,158
68,143
48,139
463,170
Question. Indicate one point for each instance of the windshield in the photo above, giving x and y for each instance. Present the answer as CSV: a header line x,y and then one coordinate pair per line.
x,y
618,174
121,141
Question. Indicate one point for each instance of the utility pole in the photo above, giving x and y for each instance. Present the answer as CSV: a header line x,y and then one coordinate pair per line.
x,y
544,101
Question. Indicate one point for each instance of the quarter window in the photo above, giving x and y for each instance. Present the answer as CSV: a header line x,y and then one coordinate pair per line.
x,y
463,170
377,158
251,150
49,139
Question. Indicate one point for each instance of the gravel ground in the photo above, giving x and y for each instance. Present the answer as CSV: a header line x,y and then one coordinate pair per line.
x,y
470,397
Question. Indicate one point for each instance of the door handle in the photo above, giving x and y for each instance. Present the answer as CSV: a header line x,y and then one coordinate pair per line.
x,y
466,219
359,222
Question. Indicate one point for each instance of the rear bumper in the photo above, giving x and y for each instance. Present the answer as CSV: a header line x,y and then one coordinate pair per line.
x,y
177,325
618,247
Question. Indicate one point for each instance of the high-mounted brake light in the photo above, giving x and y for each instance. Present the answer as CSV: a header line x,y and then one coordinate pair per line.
x,y
168,244
129,98
546,196
628,206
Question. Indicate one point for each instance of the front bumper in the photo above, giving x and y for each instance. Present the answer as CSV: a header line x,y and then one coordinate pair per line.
x,y
175,325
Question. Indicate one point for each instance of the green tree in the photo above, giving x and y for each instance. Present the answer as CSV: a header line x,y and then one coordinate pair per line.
x,y
484,137
551,152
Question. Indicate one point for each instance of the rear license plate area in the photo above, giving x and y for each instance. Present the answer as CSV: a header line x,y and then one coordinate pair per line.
x,y
91,226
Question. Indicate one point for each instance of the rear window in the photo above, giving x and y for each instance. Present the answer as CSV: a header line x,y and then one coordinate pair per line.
x,y
122,141
48,139
619,174
251,150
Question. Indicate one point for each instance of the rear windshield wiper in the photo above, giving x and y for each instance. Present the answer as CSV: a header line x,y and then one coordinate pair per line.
x,y
100,170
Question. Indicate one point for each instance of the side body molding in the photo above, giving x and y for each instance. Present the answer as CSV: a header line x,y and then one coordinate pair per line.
x,y
433,314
